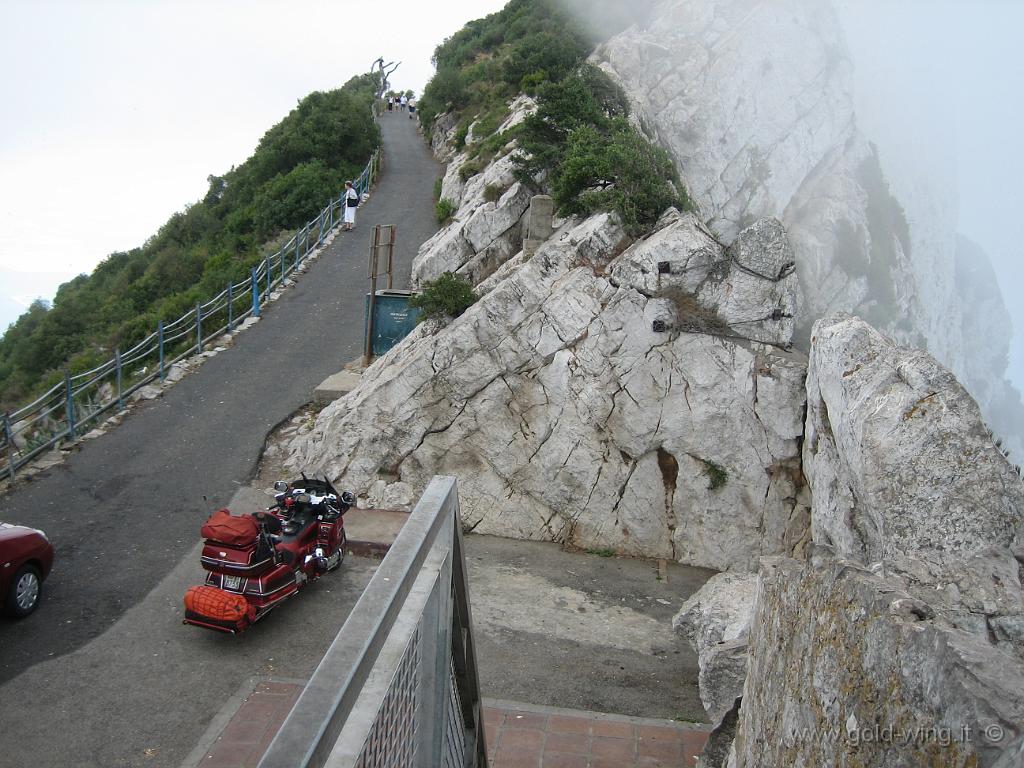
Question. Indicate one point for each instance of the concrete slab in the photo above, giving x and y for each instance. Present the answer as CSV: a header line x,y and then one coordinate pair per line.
x,y
582,631
335,386
372,531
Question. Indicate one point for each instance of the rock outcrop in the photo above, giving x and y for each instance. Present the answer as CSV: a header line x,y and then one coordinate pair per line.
x,y
593,398
899,642
896,453
715,620
486,228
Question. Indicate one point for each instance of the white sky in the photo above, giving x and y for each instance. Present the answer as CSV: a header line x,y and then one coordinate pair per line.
x,y
116,111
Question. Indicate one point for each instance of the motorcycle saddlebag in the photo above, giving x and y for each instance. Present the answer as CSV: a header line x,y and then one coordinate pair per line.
x,y
233,530
217,609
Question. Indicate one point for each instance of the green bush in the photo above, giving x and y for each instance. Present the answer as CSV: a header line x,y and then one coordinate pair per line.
x,y
446,297
438,183
492,193
444,211
470,169
461,133
620,171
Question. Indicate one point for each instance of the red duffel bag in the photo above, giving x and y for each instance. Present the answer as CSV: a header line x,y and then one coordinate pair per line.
x,y
222,607
233,530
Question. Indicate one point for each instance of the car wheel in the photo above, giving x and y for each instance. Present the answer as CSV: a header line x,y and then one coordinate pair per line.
x,y
25,591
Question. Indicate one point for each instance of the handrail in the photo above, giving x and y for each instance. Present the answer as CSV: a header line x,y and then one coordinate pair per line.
x,y
83,397
416,611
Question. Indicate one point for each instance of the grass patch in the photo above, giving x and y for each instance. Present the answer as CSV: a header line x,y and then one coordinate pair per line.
x,y
444,211
493,193
718,476
601,551
470,169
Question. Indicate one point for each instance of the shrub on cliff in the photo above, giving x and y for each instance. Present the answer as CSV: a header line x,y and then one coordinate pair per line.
x,y
446,297
593,158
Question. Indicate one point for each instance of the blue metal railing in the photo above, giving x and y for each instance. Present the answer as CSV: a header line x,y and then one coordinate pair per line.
x,y
63,413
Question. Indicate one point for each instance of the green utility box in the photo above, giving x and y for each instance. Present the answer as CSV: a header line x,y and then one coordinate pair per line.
x,y
393,319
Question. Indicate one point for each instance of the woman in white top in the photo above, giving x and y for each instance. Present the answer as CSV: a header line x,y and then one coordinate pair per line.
x,y
350,202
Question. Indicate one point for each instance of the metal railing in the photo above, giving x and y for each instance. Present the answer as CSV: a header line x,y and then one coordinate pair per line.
x,y
68,408
398,686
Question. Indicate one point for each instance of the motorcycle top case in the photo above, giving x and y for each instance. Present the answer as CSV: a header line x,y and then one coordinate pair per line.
x,y
233,530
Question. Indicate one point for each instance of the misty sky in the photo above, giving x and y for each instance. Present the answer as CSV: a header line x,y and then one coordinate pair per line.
x,y
939,89
116,111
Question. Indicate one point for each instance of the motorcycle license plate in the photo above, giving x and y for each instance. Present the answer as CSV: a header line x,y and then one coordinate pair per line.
x,y
232,582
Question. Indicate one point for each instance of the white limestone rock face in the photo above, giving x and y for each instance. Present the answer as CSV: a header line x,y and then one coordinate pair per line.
x,y
482,235
896,454
567,417
442,139
838,649
754,101
909,612
715,620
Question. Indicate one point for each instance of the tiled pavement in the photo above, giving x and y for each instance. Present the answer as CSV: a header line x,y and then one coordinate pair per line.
x,y
518,735
525,736
249,732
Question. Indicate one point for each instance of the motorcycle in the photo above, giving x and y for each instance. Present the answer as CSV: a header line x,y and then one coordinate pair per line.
x,y
256,562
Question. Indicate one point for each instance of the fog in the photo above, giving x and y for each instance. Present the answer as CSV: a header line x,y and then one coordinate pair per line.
x,y
938,89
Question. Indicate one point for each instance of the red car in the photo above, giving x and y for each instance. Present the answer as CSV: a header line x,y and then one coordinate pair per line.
x,y
26,557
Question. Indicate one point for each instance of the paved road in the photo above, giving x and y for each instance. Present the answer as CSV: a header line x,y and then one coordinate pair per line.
x,y
124,511
579,631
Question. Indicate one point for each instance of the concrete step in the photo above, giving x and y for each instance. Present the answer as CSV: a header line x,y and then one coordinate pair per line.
x,y
335,386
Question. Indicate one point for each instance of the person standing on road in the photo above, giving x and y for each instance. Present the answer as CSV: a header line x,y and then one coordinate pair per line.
x,y
412,108
351,202
404,102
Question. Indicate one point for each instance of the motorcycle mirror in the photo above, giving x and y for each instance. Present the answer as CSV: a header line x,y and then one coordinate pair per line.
x,y
280,485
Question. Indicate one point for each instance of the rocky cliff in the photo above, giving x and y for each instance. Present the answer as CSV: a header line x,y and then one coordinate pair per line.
x,y
590,398
754,101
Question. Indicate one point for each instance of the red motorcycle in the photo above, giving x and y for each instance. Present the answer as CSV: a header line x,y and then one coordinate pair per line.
x,y
255,562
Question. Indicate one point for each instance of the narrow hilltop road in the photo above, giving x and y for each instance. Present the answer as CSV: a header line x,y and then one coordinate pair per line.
x,y
126,508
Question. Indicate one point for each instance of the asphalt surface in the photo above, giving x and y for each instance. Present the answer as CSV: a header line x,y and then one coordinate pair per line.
x,y
581,631
124,511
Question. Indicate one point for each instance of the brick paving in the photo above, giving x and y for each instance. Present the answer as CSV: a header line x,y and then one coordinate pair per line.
x,y
518,735
524,736
246,737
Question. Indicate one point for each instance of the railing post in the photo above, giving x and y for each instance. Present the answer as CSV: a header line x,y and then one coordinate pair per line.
x,y
199,328
282,264
9,439
255,294
69,404
231,308
117,365
160,346
268,263
298,241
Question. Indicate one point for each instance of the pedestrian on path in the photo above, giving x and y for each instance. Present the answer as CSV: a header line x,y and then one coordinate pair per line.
x,y
351,199
404,102
412,108
391,103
